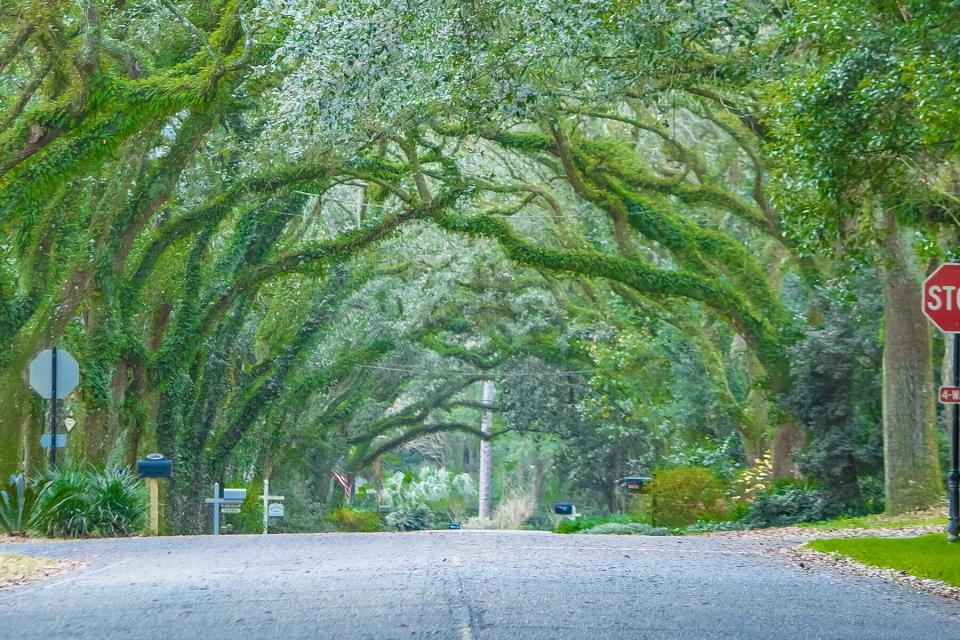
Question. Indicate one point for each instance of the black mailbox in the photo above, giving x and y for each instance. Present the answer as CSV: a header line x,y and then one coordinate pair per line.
x,y
563,508
154,468
634,484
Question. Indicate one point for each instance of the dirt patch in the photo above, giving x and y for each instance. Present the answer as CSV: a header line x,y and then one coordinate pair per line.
x,y
20,570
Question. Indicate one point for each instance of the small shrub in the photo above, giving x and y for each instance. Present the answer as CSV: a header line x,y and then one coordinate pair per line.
x,y
583,523
628,529
18,501
64,510
347,519
117,503
91,502
785,505
411,517
702,526
539,521
683,495
750,482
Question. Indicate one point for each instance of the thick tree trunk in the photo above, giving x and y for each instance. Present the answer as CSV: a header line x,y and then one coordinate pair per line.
x,y
911,467
788,439
18,425
21,411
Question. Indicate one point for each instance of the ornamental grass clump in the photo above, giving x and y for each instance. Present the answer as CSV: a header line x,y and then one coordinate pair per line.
x,y
91,502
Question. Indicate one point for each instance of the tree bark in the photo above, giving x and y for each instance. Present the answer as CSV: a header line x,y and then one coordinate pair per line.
x,y
788,439
910,451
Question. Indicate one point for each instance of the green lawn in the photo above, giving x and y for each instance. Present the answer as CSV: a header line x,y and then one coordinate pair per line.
x,y
929,556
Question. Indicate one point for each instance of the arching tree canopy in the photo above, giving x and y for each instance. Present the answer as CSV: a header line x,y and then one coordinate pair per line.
x,y
299,234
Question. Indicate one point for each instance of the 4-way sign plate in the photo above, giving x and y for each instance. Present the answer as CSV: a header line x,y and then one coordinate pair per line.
x,y
950,395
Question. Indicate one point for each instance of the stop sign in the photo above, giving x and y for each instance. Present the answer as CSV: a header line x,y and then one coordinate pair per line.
x,y
941,297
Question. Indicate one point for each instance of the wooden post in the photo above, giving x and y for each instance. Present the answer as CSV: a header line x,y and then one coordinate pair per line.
x,y
153,485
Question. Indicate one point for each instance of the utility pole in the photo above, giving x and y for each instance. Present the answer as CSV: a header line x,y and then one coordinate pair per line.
x,y
486,463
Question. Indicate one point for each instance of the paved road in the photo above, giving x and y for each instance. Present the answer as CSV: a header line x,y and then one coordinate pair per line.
x,y
458,585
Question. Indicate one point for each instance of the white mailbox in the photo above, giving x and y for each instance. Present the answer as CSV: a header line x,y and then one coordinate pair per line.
x,y
235,496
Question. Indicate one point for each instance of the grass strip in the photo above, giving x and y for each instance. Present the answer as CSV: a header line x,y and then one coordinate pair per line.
x,y
879,521
929,556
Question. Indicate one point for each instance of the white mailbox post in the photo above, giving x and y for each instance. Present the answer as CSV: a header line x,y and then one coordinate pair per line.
x,y
274,510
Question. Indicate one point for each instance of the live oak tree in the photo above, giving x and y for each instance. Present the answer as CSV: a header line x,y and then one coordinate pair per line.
x,y
865,139
295,233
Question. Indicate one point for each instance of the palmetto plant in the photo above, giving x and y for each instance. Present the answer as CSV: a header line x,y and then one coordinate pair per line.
x,y
411,517
445,493
18,504
91,502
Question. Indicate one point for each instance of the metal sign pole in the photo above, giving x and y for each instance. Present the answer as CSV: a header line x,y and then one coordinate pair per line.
x,y
53,409
266,504
953,526
216,508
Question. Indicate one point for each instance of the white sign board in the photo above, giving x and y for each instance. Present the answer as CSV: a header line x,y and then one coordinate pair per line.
x,y
275,510
41,373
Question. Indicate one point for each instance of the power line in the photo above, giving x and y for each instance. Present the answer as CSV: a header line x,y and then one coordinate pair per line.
x,y
477,373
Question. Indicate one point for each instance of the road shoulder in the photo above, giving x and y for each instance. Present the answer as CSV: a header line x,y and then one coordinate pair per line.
x,y
18,570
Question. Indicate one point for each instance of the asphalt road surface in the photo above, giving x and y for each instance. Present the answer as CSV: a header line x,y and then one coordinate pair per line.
x,y
460,585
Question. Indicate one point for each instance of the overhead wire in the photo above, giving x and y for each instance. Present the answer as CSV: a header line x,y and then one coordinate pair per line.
x,y
476,373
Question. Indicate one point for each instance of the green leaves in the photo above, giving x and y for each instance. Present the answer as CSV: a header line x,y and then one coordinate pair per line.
x,y
19,500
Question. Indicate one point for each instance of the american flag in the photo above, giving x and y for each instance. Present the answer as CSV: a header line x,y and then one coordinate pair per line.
x,y
345,481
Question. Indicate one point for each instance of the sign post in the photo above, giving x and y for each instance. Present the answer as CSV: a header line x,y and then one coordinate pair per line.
x,y
953,527
268,509
153,486
54,373
152,468
230,502
216,501
941,304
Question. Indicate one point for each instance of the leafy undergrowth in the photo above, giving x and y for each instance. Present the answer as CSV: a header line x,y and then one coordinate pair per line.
x,y
623,524
929,517
632,528
929,556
